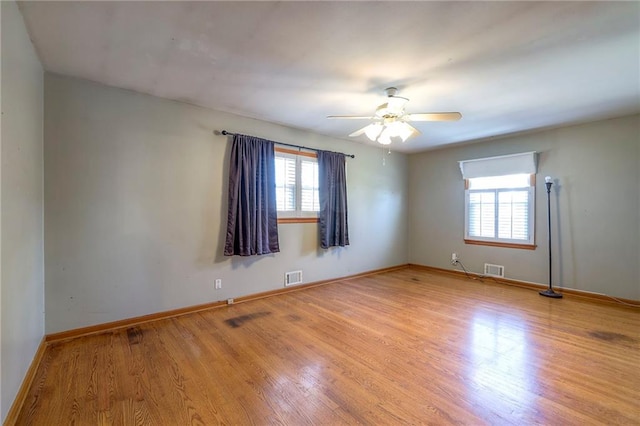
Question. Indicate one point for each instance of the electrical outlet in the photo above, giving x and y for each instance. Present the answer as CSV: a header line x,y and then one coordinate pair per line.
x,y
229,301
218,284
454,258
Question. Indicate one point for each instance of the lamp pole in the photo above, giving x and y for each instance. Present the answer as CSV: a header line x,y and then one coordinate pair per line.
x,y
549,292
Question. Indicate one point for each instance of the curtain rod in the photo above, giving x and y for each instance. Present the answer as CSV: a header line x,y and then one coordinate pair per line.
x,y
224,132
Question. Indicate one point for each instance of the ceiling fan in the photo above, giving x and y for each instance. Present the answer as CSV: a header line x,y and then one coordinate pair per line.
x,y
390,119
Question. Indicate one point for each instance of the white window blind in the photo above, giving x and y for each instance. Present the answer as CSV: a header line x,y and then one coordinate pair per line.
x,y
285,183
310,201
297,193
482,214
513,215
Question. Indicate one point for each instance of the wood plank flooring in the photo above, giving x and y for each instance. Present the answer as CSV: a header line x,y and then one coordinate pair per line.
x,y
404,347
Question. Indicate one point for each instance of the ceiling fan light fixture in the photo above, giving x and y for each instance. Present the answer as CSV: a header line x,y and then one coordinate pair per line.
x,y
384,138
373,130
405,132
397,129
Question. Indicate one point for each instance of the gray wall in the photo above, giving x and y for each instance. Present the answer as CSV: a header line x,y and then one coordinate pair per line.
x,y
135,196
595,208
21,205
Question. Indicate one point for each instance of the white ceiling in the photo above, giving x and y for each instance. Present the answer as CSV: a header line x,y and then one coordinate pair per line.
x,y
506,66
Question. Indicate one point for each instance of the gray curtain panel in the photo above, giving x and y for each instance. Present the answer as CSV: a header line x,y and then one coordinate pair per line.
x,y
252,222
334,229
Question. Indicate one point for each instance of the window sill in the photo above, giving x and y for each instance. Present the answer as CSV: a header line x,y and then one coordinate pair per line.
x,y
298,220
499,244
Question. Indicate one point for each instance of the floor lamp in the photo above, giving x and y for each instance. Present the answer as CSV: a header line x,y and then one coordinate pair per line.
x,y
549,292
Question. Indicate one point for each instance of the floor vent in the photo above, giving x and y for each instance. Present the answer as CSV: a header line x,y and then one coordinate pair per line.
x,y
292,278
494,270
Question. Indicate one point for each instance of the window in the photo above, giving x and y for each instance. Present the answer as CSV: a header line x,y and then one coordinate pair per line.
x,y
296,186
499,200
499,210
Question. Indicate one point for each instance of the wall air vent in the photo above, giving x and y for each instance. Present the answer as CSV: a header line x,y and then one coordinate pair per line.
x,y
292,278
494,270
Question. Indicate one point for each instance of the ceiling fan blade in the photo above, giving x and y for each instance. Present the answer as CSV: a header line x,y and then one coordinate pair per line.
x,y
351,117
415,131
359,132
434,116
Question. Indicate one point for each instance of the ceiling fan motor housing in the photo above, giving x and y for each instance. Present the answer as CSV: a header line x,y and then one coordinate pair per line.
x,y
383,111
391,91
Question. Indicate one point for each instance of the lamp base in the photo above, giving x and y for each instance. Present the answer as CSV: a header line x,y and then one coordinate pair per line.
x,y
551,293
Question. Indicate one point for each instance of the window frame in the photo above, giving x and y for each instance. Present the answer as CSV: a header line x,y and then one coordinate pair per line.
x,y
297,216
503,242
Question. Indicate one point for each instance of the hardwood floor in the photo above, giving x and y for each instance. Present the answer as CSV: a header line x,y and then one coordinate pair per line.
x,y
405,347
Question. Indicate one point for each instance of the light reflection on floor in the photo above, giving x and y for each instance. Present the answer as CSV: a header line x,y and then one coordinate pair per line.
x,y
502,374
308,383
